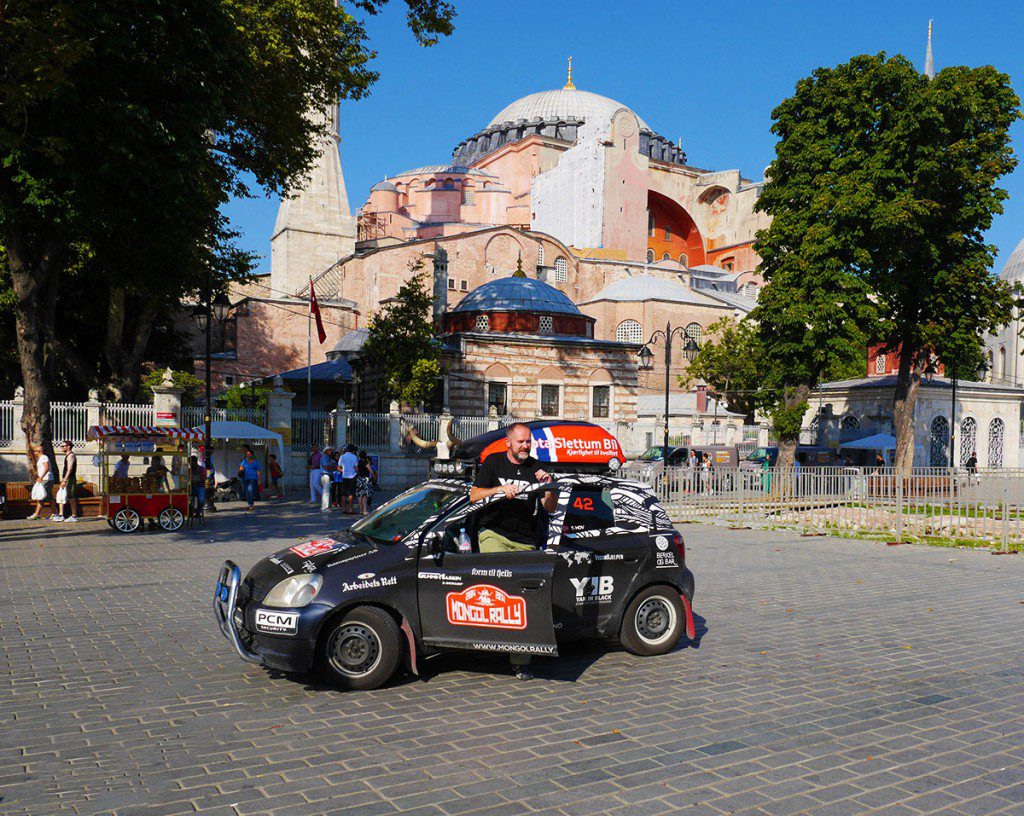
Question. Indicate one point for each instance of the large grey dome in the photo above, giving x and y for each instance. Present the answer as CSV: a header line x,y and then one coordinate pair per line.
x,y
562,104
1014,269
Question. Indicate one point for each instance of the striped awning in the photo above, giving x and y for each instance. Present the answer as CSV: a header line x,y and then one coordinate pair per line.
x,y
144,432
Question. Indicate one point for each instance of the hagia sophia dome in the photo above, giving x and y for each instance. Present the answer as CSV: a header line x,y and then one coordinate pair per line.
x,y
1014,269
565,104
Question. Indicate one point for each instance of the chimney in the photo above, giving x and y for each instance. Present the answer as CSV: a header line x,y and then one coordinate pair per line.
x,y
702,399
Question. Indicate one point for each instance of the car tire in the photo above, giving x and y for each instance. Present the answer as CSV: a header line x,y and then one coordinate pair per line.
x,y
362,650
653,621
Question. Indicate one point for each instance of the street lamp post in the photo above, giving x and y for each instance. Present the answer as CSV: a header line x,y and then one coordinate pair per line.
x,y
213,308
690,349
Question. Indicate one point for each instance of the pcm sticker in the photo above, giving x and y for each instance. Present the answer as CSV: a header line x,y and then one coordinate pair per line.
x,y
281,623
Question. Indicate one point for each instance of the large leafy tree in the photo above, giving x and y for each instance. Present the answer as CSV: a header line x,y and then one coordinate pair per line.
x,y
883,185
401,349
728,361
123,129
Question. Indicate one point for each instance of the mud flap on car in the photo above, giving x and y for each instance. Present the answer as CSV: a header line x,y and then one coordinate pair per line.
x,y
411,654
691,630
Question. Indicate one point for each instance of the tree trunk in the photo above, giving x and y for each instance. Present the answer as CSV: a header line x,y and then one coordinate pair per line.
x,y
126,345
908,382
789,437
34,285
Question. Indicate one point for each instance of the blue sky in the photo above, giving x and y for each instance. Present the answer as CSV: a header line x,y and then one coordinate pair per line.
x,y
710,73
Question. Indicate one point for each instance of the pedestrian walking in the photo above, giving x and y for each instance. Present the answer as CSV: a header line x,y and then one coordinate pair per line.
x,y
326,469
313,466
348,466
198,482
276,473
249,473
67,493
365,478
44,479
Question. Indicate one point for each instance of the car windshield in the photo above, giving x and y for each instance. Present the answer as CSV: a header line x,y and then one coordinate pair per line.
x,y
655,454
400,516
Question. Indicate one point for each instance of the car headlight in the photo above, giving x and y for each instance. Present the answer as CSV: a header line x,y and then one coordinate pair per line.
x,y
298,590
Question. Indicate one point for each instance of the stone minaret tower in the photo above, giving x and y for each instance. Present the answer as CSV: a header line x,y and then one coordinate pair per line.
x,y
929,60
314,227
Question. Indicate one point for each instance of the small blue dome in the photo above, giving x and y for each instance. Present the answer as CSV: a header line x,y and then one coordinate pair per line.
x,y
517,295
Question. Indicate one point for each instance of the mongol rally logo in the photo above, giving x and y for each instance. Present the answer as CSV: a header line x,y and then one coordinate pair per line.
x,y
486,605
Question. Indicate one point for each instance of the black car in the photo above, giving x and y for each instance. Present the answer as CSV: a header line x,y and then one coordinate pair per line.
x,y
408,581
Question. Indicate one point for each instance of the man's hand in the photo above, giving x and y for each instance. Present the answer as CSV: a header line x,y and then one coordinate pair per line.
x,y
510,490
542,476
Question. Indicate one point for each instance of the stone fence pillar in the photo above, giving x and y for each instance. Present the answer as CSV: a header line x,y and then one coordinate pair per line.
x,y
18,440
279,420
166,402
394,428
340,425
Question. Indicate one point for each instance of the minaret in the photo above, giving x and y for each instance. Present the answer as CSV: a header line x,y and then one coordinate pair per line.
x,y
929,62
314,226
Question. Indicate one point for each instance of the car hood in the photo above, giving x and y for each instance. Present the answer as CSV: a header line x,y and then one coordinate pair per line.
x,y
315,555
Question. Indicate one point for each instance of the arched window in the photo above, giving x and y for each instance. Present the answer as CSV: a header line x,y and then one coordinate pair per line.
x,y
849,422
561,270
650,256
727,264
995,442
694,332
939,442
668,232
629,331
968,438
483,323
449,184
666,257
683,259
1002,364
880,364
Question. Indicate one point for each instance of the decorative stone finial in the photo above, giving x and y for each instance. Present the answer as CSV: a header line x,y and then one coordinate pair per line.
x,y
19,392
278,381
568,83
168,377
492,412
519,273
94,395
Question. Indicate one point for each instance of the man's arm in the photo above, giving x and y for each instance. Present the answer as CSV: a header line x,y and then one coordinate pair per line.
x,y
478,493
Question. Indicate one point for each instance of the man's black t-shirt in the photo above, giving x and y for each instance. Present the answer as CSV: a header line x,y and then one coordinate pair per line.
x,y
512,519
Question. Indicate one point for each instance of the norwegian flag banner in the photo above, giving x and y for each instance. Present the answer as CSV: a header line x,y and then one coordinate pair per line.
x,y
314,308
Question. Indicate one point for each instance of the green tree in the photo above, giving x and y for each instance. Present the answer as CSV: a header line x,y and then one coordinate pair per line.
x,y
728,362
190,384
883,186
124,128
401,346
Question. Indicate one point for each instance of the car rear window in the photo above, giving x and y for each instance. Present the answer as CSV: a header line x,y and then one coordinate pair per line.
x,y
588,509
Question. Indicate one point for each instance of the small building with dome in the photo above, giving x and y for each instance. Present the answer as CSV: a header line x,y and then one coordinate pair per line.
x,y
1005,351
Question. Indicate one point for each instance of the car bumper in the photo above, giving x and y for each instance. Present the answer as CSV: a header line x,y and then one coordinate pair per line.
x,y
287,652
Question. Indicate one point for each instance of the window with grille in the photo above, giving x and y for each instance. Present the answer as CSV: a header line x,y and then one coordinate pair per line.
x,y
849,422
561,270
483,323
540,254
629,331
996,430
968,438
602,399
880,364
546,325
939,442
497,397
467,196
695,332
549,400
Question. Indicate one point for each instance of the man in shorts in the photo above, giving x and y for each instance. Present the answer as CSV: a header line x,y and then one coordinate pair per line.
x,y
347,465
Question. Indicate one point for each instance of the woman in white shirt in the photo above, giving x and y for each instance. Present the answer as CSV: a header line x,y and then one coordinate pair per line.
x,y
44,479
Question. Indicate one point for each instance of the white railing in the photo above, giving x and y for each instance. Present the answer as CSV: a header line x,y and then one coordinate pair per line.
x,y
930,504
427,427
6,424
121,413
70,421
468,427
315,428
369,432
193,415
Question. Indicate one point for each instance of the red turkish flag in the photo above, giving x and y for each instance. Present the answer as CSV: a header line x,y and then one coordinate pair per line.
x,y
314,308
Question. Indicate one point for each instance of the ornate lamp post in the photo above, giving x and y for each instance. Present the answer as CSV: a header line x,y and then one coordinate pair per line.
x,y
213,308
690,349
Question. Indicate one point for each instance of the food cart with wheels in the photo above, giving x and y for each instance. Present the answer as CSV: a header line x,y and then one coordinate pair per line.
x,y
144,474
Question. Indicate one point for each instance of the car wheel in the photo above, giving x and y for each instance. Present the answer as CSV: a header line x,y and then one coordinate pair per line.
x,y
171,519
653,621
362,650
127,520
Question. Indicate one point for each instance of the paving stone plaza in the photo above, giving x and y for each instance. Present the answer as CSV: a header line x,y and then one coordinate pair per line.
x,y
831,677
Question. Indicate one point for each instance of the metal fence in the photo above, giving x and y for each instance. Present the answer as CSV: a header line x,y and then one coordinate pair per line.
x,y
70,421
6,424
938,504
193,415
369,432
316,427
122,413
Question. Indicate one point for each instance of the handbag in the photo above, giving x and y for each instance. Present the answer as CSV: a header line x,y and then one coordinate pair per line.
x,y
62,495
38,491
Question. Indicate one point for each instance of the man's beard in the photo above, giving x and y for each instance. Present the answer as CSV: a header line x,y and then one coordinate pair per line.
x,y
522,456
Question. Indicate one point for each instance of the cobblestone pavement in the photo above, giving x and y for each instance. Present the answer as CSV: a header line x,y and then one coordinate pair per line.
x,y
832,677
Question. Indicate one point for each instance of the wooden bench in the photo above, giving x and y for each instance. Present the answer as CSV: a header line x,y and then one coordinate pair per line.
x,y
21,506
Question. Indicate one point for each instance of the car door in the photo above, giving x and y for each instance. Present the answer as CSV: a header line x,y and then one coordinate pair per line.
x,y
498,602
599,560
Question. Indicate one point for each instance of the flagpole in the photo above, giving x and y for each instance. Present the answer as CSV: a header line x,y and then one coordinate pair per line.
x,y
309,364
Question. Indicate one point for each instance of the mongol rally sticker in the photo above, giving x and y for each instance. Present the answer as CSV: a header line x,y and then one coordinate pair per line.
x,y
486,605
317,547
